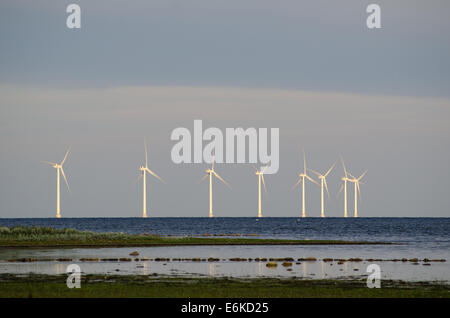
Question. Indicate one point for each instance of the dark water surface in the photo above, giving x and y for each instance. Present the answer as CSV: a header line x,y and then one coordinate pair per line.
x,y
430,230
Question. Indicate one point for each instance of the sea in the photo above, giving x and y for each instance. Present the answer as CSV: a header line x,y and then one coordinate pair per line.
x,y
422,238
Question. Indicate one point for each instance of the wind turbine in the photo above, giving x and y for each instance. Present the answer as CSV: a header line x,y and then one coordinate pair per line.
x,y
144,170
260,175
357,190
345,179
323,182
59,171
302,178
210,173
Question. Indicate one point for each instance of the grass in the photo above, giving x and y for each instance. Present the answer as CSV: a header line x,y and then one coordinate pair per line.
x,y
21,236
42,286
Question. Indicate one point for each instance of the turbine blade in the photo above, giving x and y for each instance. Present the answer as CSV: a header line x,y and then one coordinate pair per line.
x,y
264,183
359,191
253,166
315,172
299,180
48,162
343,165
203,178
304,161
352,175
340,189
361,176
146,153
220,178
329,170
213,158
311,179
267,166
65,157
155,175
65,179
138,178
326,187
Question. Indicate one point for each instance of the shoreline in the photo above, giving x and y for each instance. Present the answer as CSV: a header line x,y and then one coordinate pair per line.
x,y
200,242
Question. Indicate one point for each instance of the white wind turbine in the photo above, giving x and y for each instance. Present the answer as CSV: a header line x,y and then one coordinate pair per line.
x,y
260,174
144,170
323,182
210,173
357,190
345,179
302,178
59,171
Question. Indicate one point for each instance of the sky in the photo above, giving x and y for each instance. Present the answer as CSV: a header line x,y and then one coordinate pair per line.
x,y
140,69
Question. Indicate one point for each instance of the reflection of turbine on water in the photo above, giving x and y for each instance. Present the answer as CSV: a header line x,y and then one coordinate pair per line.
x,y
304,270
322,267
212,269
260,268
145,268
60,269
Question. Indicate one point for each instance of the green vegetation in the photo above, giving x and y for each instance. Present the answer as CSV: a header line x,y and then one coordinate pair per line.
x,y
154,286
21,236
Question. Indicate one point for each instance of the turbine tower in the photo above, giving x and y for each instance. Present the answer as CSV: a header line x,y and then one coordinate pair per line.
x,y
302,178
260,175
59,171
357,190
323,182
210,173
345,179
144,170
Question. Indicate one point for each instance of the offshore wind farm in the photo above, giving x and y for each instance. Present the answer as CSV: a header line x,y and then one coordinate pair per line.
x,y
210,173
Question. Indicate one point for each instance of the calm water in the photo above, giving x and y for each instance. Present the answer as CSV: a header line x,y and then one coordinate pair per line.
x,y
431,230
419,237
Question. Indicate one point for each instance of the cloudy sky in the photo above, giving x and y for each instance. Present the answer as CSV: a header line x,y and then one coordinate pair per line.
x,y
139,69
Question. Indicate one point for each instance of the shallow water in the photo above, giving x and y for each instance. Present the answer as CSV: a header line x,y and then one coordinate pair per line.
x,y
418,237
225,267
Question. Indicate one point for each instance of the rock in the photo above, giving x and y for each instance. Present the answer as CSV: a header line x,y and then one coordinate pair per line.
x,y
355,260
271,264
286,264
426,264
123,259
89,259
414,260
308,259
327,260
135,253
